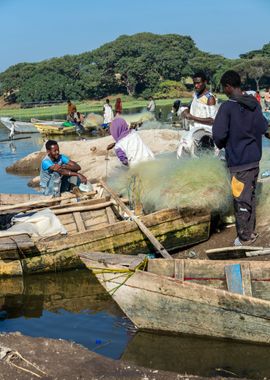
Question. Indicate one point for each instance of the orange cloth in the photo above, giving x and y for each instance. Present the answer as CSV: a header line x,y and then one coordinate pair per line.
x,y
71,108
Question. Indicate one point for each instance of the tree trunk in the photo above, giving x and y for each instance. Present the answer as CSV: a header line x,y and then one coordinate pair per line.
x,y
257,80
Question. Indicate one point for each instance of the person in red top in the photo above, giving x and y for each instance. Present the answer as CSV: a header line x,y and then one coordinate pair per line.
x,y
118,106
258,96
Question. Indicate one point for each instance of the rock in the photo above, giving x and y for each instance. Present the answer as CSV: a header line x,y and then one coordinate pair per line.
x,y
27,165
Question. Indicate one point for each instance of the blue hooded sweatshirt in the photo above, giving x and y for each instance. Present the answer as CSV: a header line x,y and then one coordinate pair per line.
x,y
238,127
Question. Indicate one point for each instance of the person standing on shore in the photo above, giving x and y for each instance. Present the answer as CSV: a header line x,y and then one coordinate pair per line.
x,y
107,115
203,107
198,118
267,99
258,97
71,110
12,129
118,106
238,127
151,105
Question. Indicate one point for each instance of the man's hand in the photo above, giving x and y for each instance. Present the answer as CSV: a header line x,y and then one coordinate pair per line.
x,y
55,167
187,115
82,178
110,146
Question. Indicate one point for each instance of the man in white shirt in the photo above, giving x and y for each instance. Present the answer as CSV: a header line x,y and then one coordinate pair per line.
x,y
151,105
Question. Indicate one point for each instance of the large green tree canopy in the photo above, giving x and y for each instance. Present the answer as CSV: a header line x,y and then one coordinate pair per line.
x,y
137,65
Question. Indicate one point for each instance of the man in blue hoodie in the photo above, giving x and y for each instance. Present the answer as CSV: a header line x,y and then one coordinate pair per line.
x,y
238,127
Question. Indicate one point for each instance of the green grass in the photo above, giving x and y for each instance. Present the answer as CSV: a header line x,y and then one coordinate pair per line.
x,y
85,107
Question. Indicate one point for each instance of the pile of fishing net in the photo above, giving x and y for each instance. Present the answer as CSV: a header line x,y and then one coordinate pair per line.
x,y
92,120
152,124
139,117
168,183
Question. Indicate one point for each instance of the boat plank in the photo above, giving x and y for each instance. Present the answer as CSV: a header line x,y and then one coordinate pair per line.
x,y
234,278
79,221
179,269
207,269
71,227
96,220
66,218
111,215
246,279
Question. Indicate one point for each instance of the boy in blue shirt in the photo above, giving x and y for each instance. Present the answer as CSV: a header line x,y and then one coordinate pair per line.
x,y
57,172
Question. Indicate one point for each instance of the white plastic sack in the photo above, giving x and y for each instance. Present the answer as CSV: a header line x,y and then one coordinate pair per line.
x,y
39,224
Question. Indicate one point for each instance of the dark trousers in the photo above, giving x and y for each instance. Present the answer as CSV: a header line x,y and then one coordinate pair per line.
x,y
243,189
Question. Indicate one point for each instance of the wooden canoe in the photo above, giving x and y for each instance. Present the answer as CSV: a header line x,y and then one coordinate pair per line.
x,y
189,296
96,225
54,129
20,126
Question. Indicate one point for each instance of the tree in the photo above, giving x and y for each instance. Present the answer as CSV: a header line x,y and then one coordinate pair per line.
x,y
210,64
254,68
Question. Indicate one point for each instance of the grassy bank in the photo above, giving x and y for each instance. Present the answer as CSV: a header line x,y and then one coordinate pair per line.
x,y
85,107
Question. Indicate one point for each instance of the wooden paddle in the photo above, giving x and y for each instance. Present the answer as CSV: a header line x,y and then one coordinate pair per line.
x,y
159,247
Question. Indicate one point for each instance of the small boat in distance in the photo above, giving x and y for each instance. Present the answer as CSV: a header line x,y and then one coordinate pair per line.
x,y
20,126
54,128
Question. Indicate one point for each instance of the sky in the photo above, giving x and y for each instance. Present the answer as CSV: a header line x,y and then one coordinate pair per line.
x,y
34,30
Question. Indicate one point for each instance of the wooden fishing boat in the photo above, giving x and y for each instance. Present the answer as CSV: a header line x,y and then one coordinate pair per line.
x,y
20,126
205,298
40,121
97,225
54,128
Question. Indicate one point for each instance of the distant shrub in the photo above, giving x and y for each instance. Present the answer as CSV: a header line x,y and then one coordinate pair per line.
x,y
170,89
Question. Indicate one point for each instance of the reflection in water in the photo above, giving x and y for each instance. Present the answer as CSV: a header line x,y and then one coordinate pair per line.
x,y
70,305
198,356
12,147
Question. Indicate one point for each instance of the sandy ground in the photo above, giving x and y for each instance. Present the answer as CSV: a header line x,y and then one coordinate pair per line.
x,y
63,360
224,237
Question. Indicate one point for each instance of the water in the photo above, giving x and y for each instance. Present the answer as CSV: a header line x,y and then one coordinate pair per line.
x,y
70,305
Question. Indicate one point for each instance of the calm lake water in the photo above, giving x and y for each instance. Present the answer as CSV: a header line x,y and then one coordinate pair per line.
x,y
73,306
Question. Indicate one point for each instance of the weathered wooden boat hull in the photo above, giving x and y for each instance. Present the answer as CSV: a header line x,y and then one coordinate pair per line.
x,y
159,303
173,228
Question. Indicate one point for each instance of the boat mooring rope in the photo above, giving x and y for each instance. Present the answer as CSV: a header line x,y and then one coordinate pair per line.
x,y
128,272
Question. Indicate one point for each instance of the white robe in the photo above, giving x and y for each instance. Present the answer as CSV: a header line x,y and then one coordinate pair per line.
x,y
134,148
108,114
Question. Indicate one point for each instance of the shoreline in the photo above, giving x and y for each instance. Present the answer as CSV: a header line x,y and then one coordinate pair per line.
x,y
38,358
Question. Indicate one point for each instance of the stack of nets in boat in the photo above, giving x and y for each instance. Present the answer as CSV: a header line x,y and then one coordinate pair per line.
x,y
93,120
170,183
